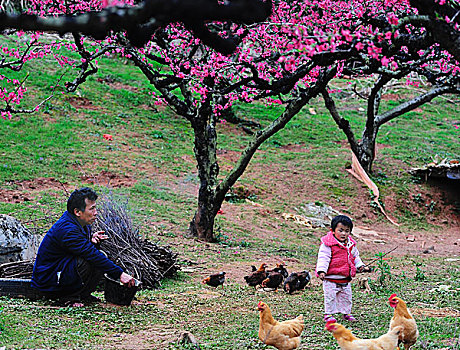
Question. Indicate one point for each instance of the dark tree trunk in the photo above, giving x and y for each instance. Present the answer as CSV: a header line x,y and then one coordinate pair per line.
x,y
202,224
366,152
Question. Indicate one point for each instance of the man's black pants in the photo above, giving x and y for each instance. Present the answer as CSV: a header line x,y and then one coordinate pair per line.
x,y
90,277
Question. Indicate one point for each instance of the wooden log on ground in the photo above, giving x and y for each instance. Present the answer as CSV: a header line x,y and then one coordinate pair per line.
x,y
17,269
18,288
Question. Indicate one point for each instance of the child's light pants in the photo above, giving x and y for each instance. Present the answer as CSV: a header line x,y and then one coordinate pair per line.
x,y
337,297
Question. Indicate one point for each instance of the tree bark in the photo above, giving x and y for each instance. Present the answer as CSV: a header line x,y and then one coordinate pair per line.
x,y
366,151
204,126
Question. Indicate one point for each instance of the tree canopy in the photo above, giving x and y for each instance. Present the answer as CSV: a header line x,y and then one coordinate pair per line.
x,y
200,62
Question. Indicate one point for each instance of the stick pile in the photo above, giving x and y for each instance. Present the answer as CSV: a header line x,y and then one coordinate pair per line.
x,y
141,258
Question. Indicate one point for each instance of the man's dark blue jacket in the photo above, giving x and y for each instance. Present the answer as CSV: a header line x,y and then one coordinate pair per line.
x,y
55,268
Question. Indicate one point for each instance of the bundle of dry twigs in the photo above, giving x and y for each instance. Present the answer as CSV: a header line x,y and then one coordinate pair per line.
x,y
143,259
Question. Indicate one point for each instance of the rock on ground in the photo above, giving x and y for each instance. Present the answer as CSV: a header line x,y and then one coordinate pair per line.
x,y
16,241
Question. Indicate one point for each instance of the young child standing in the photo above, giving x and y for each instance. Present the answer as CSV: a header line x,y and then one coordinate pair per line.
x,y
338,261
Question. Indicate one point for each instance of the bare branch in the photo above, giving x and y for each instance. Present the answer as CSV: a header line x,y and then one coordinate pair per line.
x,y
293,107
9,109
341,122
414,103
373,102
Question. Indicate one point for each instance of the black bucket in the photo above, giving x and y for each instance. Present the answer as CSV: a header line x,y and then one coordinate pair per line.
x,y
117,293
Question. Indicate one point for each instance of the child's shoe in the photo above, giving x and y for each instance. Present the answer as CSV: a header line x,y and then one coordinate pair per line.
x,y
329,318
349,317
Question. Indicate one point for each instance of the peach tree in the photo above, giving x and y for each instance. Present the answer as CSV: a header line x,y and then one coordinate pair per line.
x,y
201,65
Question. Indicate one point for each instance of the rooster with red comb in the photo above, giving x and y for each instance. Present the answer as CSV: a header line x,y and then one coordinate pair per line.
x,y
403,317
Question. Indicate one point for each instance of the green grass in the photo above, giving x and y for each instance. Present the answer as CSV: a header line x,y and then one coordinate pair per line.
x,y
155,148
220,319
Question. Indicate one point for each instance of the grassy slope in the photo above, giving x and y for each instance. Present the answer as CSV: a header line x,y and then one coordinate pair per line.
x,y
155,147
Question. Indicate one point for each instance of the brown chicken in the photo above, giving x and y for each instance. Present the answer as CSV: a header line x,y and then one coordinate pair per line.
x,y
403,317
282,335
347,341
256,277
215,280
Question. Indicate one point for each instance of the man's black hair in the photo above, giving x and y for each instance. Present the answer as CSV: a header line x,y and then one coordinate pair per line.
x,y
342,219
77,199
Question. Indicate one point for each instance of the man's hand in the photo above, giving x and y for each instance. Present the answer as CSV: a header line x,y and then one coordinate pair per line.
x,y
98,237
321,275
127,280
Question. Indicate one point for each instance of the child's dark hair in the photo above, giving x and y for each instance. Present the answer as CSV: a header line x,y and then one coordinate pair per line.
x,y
342,219
77,199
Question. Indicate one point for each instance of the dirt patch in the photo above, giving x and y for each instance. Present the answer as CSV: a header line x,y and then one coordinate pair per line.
x,y
117,85
435,313
82,102
286,185
39,184
12,196
227,159
152,338
383,238
436,200
391,97
396,97
25,191
109,179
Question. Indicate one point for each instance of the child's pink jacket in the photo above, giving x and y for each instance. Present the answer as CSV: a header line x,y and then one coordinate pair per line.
x,y
338,260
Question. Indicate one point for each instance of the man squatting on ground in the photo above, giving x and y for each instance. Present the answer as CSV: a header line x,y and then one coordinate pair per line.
x,y
69,264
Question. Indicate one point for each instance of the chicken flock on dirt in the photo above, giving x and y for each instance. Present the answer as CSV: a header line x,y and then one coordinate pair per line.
x,y
273,279
402,330
285,335
266,279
